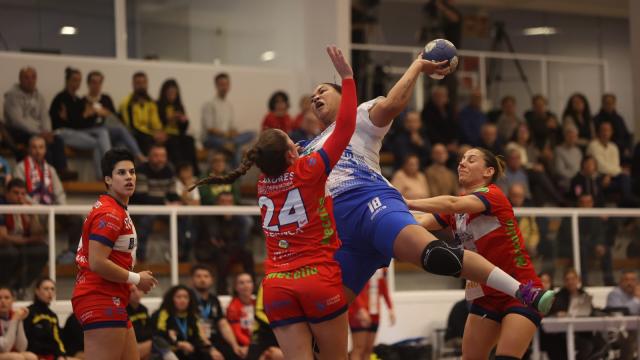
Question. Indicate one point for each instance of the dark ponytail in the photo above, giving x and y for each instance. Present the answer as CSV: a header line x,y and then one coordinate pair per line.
x,y
495,161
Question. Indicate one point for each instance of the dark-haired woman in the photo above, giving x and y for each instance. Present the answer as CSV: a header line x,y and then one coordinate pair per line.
x,y
483,221
180,146
578,112
70,118
241,309
176,323
303,294
105,258
278,116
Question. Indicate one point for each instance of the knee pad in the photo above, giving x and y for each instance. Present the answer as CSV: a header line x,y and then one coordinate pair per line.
x,y
441,259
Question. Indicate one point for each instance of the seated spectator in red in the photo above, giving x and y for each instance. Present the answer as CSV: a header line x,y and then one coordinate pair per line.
x,y
102,112
241,309
621,135
305,107
410,181
578,112
537,120
23,247
471,119
439,120
508,119
13,341
180,146
278,115
410,139
309,127
442,180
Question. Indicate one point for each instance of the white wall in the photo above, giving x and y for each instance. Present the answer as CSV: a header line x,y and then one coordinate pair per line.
x,y
251,86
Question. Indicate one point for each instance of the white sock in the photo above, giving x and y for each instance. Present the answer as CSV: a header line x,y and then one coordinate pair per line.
x,y
502,281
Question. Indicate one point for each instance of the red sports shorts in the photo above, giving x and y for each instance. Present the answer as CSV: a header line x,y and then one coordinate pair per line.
x,y
95,311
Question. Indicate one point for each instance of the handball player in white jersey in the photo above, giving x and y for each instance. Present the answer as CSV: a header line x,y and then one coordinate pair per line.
x,y
373,220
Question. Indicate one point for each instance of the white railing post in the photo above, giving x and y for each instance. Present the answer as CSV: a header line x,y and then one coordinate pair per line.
x,y
575,237
52,243
173,243
482,71
120,17
391,277
544,77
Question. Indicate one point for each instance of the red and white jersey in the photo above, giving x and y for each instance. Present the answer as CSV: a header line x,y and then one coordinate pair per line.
x,y
108,223
297,217
241,319
493,234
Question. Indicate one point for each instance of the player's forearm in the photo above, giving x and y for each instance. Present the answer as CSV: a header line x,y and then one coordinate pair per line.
x,y
108,270
401,93
227,333
438,204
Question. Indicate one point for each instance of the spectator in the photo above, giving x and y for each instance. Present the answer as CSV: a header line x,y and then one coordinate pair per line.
x,y
438,119
155,186
241,309
537,120
442,181
411,140
593,242
23,249
139,317
587,181
626,296
410,181
621,135
521,141
278,115
567,157
216,328
73,337
305,108
209,193
13,341
606,155
514,173
187,225
70,119
571,300
554,131
176,323
102,112
42,326
224,240
546,280
45,188
140,113
508,120
26,114
528,225
218,129
577,111
472,119
489,139
310,127
180,146
5,174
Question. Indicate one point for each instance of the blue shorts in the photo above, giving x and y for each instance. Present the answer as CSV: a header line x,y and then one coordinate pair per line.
x,y
368,222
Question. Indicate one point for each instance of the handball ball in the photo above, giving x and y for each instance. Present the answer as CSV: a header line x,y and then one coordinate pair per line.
x,y
439,50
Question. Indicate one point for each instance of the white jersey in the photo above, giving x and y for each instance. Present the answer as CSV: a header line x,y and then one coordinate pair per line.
x,y
360,162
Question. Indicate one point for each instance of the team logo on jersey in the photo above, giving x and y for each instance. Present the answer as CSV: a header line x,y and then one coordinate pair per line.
x,y
102,224
97,204
312,161
127,223
283,244
483,190
116,300
132,243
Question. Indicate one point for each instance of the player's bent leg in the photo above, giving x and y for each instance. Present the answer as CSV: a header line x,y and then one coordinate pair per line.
x,y
105,343
515,336
358,345
480,336
371,339
130,346
332,337
295,341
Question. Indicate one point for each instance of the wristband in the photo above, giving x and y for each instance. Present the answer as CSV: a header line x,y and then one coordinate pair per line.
x,y
134,278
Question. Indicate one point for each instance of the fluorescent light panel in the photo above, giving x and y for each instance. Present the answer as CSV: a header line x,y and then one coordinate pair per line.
x,y
542,30
268,55
68,30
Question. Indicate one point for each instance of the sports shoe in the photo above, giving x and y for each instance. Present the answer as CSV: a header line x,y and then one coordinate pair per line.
x,y
536,297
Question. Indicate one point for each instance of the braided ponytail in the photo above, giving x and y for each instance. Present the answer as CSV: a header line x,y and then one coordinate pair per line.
x,y
247,162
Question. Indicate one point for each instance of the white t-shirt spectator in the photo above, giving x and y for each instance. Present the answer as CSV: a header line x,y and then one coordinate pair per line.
x,y
607,157
217,114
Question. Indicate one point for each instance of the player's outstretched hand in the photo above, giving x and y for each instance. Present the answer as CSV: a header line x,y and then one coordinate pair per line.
x,y
430,67
147,281
339,62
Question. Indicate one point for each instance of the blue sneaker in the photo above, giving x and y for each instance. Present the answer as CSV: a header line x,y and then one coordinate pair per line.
x,y
535,297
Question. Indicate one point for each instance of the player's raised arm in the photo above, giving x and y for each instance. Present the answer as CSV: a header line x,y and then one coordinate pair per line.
x,y
398,97
346,119
446,204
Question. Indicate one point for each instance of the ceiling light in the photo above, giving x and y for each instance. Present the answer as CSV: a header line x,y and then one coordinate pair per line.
x,y
542,30
268,55
68,30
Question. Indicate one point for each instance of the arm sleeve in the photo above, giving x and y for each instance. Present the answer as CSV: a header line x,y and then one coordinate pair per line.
x,y
345,123
16,118
8,339
154,118
443,219
105,228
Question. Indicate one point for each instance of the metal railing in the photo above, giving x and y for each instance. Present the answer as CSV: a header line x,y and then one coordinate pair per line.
x,y
174,211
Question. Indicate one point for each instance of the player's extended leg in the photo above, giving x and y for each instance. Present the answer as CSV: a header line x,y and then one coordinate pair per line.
x,y
480,336
359,345
105,343
130,346
332,337
515,336
295,341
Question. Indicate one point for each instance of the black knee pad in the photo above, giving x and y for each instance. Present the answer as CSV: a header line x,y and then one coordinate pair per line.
x,y
506,357
441,259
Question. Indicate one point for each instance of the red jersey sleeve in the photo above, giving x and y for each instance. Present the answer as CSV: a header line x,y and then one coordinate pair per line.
x,y
106,227
493,198
345,125
444,220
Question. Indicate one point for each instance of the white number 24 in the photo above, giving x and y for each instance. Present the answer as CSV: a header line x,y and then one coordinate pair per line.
x,y
292,211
